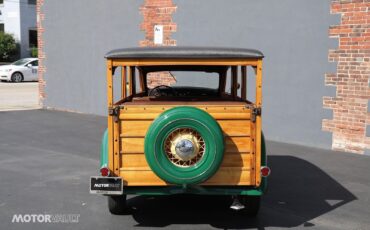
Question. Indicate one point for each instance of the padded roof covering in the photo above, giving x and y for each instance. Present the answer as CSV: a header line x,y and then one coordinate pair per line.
x,y
179,52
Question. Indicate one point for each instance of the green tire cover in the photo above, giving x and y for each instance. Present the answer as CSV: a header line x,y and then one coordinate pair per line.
x,y
184,117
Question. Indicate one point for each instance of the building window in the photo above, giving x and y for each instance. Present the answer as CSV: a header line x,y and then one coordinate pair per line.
x,y
32,38
2,27
1,2
32,2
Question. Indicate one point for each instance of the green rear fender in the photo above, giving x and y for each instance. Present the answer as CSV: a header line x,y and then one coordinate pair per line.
x,y
263,186
104,150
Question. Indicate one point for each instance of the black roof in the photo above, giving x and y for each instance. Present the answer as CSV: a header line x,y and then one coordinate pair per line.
x,y
181,52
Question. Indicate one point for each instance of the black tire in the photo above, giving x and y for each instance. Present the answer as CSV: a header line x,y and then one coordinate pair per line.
x,y
17,77
117,205
252,205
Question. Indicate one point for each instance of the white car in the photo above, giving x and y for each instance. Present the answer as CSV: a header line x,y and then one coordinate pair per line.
x,y
22,70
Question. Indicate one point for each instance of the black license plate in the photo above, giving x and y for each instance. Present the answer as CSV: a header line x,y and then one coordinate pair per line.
x,y
106,185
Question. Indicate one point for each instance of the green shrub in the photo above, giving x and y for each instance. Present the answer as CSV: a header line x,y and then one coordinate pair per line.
x,y
34,52
8,46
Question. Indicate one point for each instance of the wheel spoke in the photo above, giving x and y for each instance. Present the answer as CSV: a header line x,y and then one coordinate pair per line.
x,y
188,134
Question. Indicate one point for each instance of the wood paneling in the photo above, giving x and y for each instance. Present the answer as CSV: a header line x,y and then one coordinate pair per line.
x,y
236,168
132,145
137,161
143,112
258,124
232,145
135,128
230,176
224,176
151,116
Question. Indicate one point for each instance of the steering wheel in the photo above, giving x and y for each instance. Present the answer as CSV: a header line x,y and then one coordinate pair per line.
x,y
159,90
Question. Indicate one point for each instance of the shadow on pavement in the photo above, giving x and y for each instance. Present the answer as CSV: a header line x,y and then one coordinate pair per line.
x,y
298,192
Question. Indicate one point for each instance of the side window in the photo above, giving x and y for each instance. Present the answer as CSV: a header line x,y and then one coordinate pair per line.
x,y
35,63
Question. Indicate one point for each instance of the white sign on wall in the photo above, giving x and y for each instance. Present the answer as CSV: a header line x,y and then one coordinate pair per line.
x,y
158,34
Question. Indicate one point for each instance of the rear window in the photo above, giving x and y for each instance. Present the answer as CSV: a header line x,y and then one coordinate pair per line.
x,y
184,79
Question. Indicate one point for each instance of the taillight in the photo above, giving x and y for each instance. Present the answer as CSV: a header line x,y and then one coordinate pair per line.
x,y
265,171
104,171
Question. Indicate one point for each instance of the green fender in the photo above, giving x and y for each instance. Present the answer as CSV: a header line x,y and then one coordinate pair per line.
x,y
104,150
263,186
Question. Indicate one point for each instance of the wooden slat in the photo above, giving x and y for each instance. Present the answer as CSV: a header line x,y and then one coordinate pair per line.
x,y
152,112
141,178
224,176
132,145
244,83
123,82
235,127
234,81
162,108
237,144
110,119
129,78
232,145
116,148
137,161
133,80
142,81
217,116
134,128
253,151
258,122
230,176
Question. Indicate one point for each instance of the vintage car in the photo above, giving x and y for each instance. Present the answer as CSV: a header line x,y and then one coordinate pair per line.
x,y
199,135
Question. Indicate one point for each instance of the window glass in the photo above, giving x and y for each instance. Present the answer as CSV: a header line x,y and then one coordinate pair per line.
x,y
21,61
32,38
35,63
188,79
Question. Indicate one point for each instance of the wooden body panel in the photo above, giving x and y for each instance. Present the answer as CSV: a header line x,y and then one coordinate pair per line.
x,y
237,167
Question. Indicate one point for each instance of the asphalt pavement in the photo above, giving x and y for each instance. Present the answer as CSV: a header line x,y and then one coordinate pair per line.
x,y
47,157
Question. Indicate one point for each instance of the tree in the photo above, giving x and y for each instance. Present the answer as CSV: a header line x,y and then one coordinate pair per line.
x,y
8,46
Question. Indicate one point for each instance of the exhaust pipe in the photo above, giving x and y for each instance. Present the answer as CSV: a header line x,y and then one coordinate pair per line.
x,y
236,205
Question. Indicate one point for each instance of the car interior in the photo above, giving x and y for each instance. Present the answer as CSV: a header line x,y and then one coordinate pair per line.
x,y
214,88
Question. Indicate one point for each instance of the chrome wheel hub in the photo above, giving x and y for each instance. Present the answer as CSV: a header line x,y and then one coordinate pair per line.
x,y
184,147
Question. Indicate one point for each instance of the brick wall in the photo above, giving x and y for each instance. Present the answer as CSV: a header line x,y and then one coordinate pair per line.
x,y
41,53
350,105
158,12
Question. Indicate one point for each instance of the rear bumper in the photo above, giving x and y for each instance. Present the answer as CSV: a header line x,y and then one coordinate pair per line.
x,y
200,190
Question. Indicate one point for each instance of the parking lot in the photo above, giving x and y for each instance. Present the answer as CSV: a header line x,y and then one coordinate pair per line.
x,y
19,96
47,157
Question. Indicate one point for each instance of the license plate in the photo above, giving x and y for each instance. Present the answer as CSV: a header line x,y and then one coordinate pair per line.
x,y
106,185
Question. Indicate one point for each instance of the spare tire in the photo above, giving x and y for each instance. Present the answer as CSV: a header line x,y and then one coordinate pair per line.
x,y
184,145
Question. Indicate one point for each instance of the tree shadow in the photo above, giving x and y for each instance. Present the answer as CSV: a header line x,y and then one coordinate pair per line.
x,y
298,192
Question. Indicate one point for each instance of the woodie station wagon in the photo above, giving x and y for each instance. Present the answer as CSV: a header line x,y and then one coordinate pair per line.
x,y
201,135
